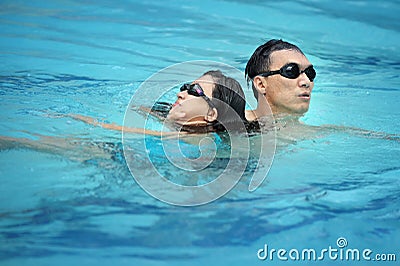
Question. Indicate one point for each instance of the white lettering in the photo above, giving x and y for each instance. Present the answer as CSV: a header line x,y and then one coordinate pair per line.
x,y
271,254
331,250
353,253
309,252
281,254
322,256
333,253
366,254
263,251
296,253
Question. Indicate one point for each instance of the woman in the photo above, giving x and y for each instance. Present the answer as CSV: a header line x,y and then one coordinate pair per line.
x,y
211,103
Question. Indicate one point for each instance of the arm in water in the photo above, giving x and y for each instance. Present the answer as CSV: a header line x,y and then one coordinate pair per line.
x,y
113,126
362,132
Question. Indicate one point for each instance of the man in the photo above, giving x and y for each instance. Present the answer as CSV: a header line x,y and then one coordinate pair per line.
x,y
282,77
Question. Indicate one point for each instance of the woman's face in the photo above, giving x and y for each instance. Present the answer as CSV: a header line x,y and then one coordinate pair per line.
x,y
189,108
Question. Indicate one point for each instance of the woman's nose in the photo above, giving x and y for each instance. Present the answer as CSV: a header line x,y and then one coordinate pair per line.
x,y
182,94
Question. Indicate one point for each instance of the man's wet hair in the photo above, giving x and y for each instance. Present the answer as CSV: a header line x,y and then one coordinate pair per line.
x,y
260,60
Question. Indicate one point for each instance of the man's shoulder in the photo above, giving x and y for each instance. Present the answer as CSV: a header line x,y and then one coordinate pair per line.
x,y
250,115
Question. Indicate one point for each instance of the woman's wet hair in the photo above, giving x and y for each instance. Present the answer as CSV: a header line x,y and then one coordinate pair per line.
x,y
260,60
227,95
161,109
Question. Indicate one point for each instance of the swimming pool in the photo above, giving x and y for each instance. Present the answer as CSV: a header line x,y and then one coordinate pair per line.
x,y
89,57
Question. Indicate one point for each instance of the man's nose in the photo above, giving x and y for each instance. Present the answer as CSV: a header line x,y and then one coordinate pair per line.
x,y
304,81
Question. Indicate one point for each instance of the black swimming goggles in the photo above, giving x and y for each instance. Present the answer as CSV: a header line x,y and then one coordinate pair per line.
x,y
291,71
197,91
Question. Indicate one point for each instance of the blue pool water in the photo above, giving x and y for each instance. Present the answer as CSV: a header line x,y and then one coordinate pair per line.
x,y
68,207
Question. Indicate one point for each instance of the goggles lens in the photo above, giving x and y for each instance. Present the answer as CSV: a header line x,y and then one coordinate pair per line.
x,y
193,89
292,71
197,91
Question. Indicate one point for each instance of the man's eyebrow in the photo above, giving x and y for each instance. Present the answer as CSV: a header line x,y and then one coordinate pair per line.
x,y
301,65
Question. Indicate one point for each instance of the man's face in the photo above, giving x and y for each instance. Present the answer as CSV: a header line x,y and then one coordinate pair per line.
x,y
288,95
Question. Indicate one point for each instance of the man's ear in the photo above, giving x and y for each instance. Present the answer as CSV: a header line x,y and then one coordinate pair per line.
x,y
212,115
258,83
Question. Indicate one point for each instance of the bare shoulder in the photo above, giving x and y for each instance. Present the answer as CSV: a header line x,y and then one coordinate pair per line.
x,y
250,115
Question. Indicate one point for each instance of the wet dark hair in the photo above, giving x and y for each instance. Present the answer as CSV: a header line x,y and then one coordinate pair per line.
x,y
227,92
260,60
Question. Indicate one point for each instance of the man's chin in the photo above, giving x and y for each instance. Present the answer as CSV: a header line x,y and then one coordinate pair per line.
x,y
302,110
